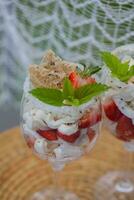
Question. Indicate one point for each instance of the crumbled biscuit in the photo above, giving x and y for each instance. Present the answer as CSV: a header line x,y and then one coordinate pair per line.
x,y
49,58
51,72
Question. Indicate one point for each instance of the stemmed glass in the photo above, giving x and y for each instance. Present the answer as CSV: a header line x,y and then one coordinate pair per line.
x,y
42,126
119,119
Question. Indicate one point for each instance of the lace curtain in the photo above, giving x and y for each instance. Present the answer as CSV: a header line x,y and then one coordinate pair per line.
x,y
74,29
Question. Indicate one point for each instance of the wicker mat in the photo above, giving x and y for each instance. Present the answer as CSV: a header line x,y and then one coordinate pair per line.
x,y
21,173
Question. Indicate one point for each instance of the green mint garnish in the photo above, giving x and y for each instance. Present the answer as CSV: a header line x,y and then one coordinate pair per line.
x,y
120,70
87,92
71,102
89,71
68,89
49,96
69,95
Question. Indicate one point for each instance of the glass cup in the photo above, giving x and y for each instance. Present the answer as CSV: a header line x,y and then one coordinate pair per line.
x,y
59,135
119,119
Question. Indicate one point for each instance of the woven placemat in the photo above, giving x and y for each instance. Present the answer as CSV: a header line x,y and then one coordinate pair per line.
x,y
21,173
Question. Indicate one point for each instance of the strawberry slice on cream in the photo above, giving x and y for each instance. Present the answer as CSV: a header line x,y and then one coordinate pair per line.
x,y
78,81
91,134
89,119
69,138
125,129
69,133
111,110
48,134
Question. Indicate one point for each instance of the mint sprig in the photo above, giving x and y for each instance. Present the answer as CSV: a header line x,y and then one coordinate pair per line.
x,y
88,71
120,70
69,95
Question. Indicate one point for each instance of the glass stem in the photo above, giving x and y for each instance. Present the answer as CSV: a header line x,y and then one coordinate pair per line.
x,y
57,168
56,182
128,161
125,184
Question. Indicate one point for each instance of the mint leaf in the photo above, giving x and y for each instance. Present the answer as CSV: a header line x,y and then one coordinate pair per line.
x,y
119,69
82,91
87,92
71,102
131,71
89,71
49,96
69,95
110,60
68,90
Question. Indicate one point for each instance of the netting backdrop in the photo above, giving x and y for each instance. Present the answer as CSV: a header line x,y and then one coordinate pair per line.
x,y
74,29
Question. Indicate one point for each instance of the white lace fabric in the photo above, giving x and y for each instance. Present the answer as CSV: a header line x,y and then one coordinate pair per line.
x,y
76,29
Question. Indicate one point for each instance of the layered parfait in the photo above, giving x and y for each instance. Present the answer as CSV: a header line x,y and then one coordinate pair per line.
x,y
61,109
118,103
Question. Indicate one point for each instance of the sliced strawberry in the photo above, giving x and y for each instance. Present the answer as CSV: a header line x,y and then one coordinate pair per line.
x,y
74,78
78,81
84,81
91,134
89,119
81,82
69,138
48,134
112,111
90,80
30,142
125,129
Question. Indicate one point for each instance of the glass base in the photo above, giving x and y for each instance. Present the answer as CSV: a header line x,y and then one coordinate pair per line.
x,y
54,194
113,186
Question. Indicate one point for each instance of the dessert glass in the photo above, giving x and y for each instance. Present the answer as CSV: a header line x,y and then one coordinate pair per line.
x,y
59,134
118,107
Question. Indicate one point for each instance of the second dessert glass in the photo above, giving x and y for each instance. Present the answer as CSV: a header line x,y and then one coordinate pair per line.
x,y
118,108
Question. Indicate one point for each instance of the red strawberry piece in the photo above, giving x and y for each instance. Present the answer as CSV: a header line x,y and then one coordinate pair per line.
x,y
90,80
112,111
74,78
30,142
89,119
69,138
78,81
48,134
125,129
84,81
81,82
91,134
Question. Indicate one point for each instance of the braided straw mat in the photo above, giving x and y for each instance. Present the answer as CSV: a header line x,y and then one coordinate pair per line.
x,y
21,173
